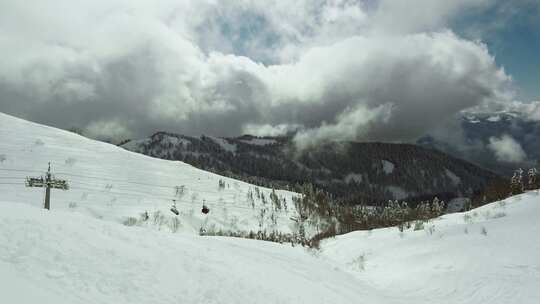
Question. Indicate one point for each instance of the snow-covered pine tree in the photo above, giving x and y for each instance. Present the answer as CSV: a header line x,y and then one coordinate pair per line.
x,y
531,183
516,183
437,207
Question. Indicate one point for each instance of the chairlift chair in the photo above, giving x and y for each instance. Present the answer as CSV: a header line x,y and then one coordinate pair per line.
x,y
173,208
205,209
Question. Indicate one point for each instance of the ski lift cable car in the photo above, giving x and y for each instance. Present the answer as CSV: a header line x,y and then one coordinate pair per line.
x,y
173,208
205,209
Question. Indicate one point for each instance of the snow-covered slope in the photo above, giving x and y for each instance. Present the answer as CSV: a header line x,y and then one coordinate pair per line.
x,y
112,183
487,255
79,252
63,257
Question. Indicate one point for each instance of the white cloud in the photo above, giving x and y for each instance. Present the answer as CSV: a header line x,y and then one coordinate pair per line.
x,y
269,130
327,67
507,149
351,123
534,113
110,130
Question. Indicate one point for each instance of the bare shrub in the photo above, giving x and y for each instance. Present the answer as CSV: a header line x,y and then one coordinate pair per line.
x,y
158,218
174,224
484,231
130,221
467,218
430,229
359,262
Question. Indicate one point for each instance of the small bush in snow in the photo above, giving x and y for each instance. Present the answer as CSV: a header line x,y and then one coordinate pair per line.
x,y
532,181
174,224
359,262
130,221
274,236
221,184
498,215
516,183
144,216
418,225
430,229
158,218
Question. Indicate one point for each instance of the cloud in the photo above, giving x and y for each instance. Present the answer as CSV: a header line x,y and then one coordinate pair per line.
x,y
350,124
111,130
529,111
331,69
269,130
507,149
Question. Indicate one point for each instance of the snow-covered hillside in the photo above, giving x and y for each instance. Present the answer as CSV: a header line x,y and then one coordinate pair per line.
x,y
79,252
487,255
112,183
63,257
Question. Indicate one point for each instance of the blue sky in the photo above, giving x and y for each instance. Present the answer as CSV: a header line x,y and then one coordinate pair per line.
x,y
511,30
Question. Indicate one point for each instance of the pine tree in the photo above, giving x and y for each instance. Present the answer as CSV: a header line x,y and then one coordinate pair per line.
x,y
516,183
531,183
437,207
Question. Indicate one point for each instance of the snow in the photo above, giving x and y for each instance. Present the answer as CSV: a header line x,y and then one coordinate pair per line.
x,y
397,192
259,141
388,167
453,177
495,118
451,260
353,177
174,140
224,144
62,257
135,145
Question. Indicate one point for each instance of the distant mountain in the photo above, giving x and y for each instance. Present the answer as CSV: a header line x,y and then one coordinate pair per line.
x,y
479,128
353,172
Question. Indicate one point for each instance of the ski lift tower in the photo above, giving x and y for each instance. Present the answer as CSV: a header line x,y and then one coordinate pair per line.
x,y
48,182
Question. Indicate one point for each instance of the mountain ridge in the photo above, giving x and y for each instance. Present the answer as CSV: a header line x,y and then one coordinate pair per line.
x,y
353,172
